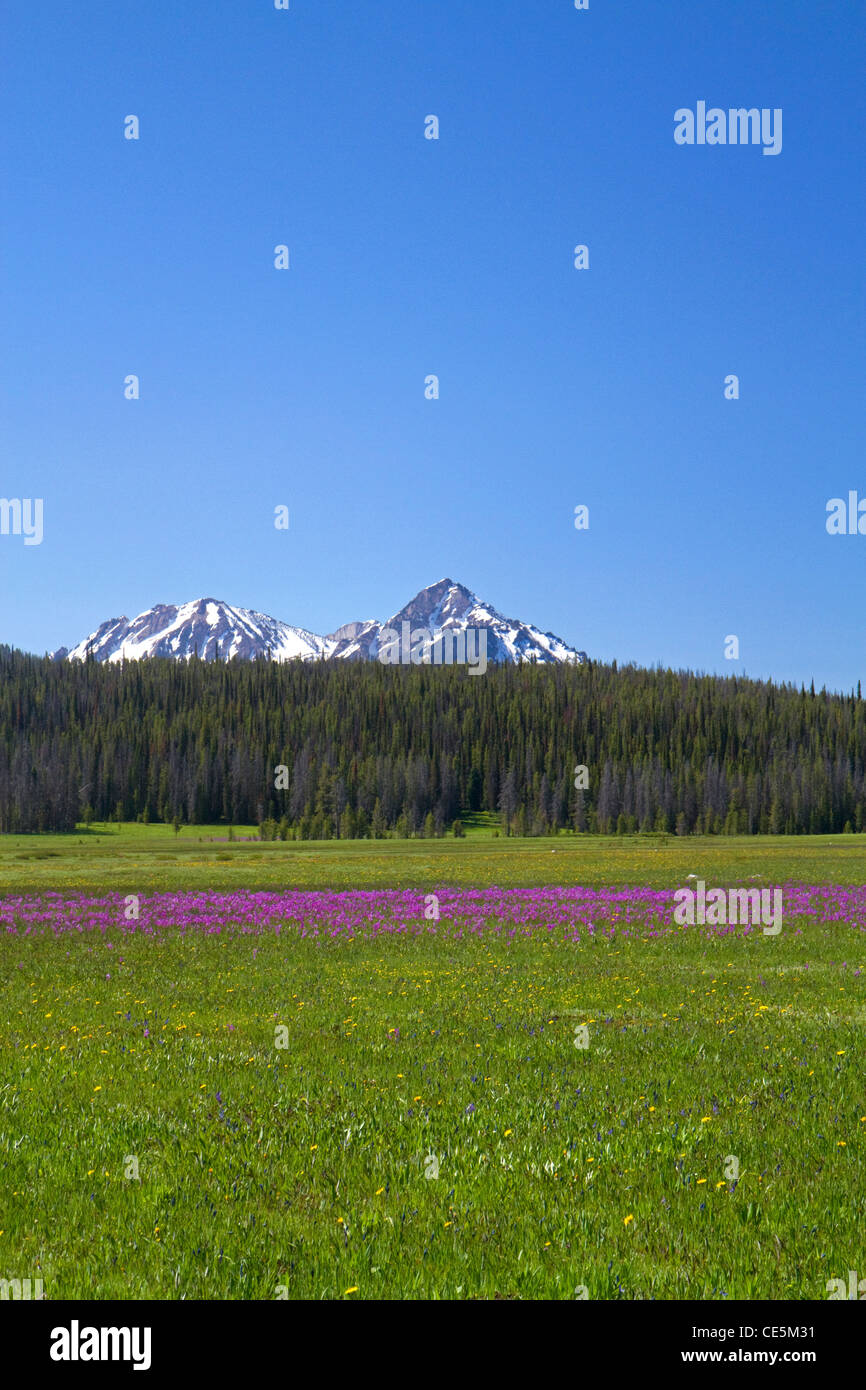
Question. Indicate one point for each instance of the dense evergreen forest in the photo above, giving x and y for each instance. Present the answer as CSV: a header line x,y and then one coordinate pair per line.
x,y
349,750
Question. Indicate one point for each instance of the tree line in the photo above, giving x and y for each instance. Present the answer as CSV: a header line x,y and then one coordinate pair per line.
x,y
350,750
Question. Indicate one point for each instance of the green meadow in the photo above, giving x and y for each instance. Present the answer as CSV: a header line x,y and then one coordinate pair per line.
x,y
135,858
430,1124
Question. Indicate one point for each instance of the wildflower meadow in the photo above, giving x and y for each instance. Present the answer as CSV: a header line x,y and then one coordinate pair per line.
x,y
442,1091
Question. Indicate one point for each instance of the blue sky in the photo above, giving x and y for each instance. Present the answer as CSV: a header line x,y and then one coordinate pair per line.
x,y
411,257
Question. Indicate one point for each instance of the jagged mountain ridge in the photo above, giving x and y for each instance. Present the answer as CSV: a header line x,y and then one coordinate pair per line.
x,y
205,627
215,630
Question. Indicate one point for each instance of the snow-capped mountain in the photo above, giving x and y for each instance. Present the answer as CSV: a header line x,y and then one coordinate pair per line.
x,y
450,607
214,630
206,627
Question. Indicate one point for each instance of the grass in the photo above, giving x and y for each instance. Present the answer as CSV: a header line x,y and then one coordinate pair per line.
x,y
148,859
310,1168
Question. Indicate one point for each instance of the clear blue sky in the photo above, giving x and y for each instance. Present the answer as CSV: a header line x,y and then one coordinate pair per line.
x,y
454,257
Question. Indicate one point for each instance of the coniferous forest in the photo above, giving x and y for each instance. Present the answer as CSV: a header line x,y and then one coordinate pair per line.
x,y
357,749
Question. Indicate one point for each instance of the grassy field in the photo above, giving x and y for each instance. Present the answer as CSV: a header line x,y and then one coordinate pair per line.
x,y
430,1129
148,859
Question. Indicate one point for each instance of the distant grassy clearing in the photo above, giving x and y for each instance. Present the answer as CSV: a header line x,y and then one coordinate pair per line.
x,y
145,859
